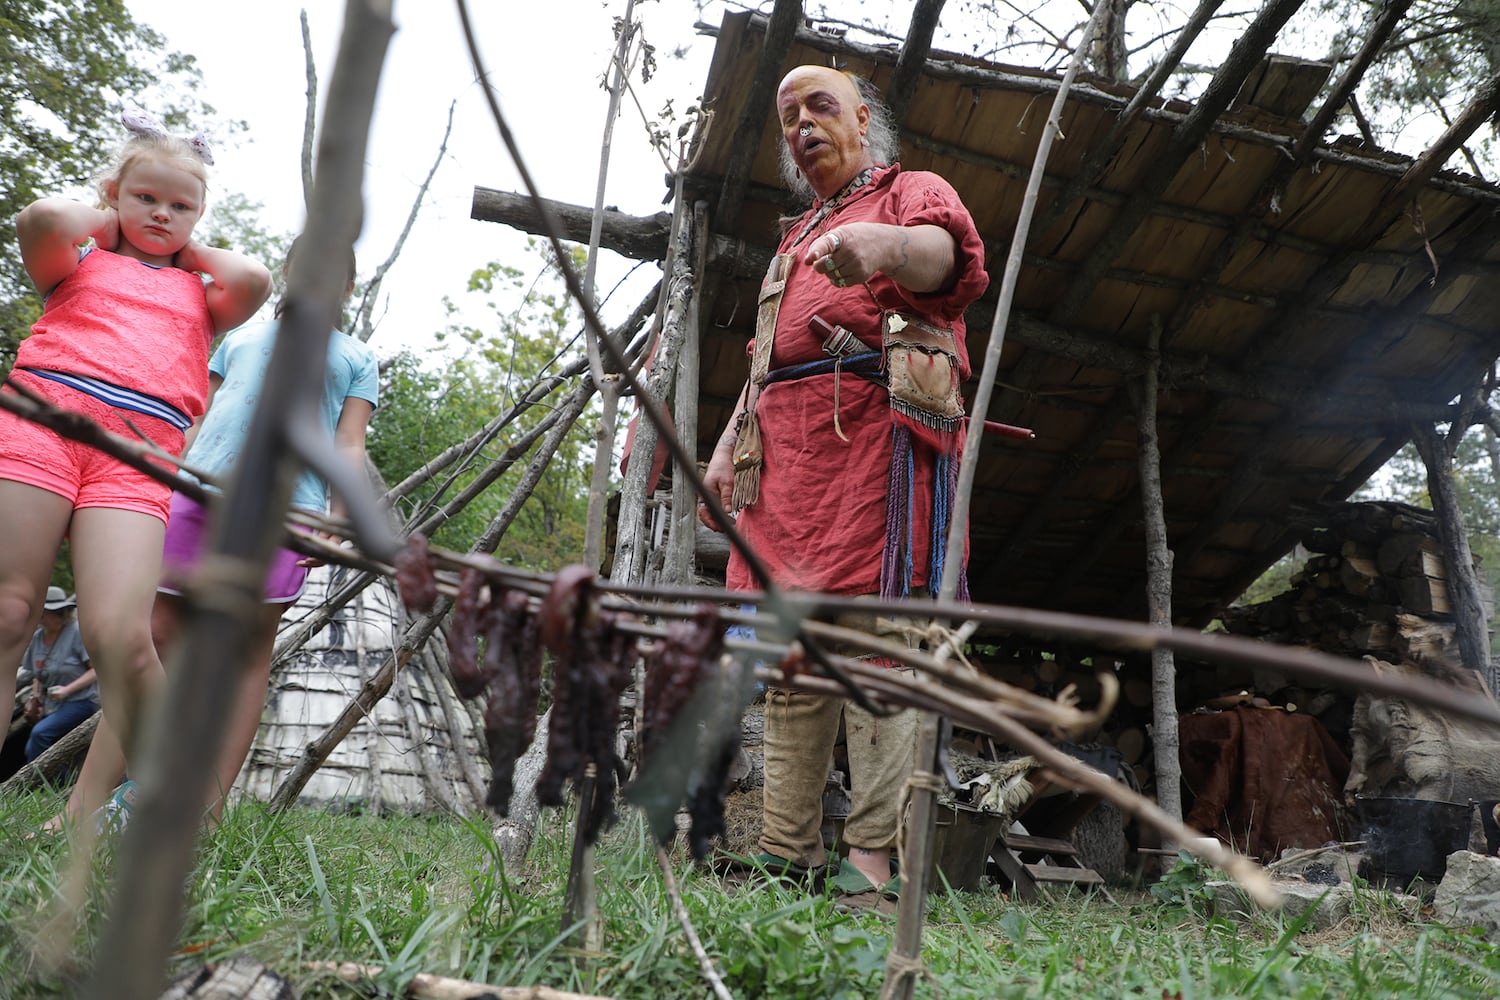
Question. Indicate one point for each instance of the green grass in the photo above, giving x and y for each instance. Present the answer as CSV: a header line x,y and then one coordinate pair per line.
x,y
428,895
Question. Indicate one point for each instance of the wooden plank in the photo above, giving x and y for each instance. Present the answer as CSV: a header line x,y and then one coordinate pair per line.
x,y
1283,85
1054,873
1045,845
1017,874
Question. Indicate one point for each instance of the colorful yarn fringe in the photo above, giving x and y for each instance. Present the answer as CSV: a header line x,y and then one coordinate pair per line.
x,y
897,559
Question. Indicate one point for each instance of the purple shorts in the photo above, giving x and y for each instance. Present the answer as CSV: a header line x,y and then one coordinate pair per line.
x,y
186,530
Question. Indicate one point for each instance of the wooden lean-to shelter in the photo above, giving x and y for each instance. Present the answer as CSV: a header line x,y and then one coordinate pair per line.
x,y
1312,296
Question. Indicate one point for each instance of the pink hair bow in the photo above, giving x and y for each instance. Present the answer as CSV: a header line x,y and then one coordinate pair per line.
x,y
144,123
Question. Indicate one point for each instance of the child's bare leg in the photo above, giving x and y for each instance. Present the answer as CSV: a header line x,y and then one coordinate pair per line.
x,y
103,768
249,705
167,615
168,619
32,524
116,563
104,765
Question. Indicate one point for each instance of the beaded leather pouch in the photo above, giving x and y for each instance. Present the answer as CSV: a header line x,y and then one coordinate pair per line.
x,y
921,366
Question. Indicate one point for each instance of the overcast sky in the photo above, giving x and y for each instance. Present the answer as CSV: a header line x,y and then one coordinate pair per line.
x,y
546,62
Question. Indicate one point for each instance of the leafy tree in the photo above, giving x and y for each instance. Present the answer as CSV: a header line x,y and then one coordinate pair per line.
x,y
425,409
70,68
1439,56
1277,579
233,222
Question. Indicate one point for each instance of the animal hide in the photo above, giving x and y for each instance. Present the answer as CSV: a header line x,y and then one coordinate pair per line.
x,y
1404,749
1262,779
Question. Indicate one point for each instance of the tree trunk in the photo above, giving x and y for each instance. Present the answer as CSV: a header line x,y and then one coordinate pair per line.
x,y
1107,55
1159,594
515,832
679,568
54,764
1470,617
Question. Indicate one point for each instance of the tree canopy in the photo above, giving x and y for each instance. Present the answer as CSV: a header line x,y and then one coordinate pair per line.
x,y
426,407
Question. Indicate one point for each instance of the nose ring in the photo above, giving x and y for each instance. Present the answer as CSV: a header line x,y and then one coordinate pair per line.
x,y
805,131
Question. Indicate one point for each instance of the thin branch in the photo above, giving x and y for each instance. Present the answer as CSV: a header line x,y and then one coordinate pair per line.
x,y
310,115
1365,132
705,964
363,327
686,463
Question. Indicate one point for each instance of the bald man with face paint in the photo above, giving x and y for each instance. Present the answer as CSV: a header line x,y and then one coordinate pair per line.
x,y
837,490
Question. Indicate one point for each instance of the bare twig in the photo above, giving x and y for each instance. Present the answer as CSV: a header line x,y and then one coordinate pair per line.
x,y
363,327
1297,857
310,116
676,601
706,964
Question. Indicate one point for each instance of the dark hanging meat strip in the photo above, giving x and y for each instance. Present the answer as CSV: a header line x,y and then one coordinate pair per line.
x,y
680,663
463,634
592,659
672,671
567,615
415,578
610,664
706,801
513,667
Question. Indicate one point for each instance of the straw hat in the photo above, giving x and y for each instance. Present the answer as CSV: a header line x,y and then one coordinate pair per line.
x,y
57,599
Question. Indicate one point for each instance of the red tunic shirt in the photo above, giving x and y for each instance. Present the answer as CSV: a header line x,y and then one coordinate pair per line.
x,y
820,520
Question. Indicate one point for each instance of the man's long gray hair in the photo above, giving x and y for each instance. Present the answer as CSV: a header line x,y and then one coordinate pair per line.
x,y
880,133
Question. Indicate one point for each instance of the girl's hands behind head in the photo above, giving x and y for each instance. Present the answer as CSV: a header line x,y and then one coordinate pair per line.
x,y
190,257
107,236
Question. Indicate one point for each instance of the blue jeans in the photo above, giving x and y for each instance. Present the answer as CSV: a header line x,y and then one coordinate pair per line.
x,y
54,727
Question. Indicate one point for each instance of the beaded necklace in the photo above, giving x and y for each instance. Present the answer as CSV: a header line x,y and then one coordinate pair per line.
x,y
828,208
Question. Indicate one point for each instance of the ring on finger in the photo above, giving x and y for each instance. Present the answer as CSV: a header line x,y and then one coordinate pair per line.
x,y
836,240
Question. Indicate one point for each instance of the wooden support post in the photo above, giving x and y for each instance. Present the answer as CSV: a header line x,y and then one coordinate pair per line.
x,y
681,543
658,381
609,391
1158,590
580,906
904,959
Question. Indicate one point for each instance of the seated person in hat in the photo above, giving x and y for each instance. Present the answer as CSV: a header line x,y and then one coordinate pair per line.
x,y
63,689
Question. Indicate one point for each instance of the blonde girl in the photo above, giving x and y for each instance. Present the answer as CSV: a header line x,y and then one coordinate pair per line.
x,y
132,304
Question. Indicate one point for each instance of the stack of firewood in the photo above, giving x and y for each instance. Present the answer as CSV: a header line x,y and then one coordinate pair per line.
x,y
1374,584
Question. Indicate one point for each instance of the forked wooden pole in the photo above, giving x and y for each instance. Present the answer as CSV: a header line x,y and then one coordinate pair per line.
x,y
157,849
903,961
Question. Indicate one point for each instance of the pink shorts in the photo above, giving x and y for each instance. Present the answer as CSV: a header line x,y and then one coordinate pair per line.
x,y
36,456
187,538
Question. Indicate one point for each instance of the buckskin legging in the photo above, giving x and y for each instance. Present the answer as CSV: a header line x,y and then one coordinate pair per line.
x,y
800,732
